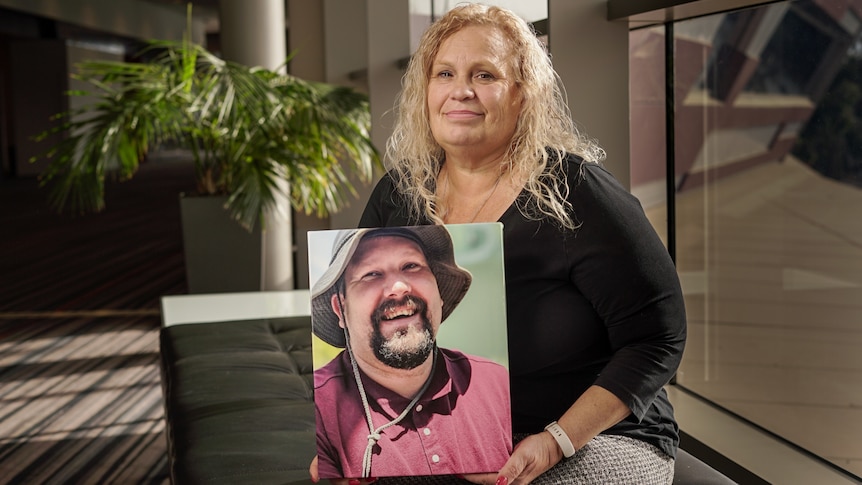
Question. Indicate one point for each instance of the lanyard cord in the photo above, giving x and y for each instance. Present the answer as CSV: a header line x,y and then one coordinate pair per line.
x,y
374,434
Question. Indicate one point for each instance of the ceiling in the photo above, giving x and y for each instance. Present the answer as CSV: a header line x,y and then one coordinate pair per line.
x,y
206,10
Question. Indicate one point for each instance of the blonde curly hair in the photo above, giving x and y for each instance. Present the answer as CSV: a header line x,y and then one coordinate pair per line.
x,y
544,134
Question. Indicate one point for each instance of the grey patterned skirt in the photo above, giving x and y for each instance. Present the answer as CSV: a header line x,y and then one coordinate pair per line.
x,y
605,460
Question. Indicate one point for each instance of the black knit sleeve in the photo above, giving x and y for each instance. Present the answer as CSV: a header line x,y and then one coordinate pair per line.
x,y
619,263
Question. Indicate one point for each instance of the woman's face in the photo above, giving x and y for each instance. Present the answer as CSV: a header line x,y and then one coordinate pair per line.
x,y
473,101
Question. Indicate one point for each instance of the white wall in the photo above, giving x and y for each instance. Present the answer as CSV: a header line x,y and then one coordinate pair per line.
x,y
347,54
387,41
591,55
306,41
360,43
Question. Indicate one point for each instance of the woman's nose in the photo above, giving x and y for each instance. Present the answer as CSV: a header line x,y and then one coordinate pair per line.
x,y
462,88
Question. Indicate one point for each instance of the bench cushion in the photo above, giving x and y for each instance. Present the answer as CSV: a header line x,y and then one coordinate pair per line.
x,y
238,401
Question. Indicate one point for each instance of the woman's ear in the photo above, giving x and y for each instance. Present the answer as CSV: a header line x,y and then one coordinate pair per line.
x,y
337,306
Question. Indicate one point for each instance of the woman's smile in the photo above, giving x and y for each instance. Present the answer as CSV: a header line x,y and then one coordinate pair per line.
x,y
463,114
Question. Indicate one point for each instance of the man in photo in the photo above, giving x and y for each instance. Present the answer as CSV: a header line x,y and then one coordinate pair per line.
x,y
392,403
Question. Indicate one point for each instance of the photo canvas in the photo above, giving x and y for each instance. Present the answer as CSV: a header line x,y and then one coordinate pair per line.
x,y
410,350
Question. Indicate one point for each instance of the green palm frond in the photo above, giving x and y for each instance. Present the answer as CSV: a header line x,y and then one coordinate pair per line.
x,y
246,128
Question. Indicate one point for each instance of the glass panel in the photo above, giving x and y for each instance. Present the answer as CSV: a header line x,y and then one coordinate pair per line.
x,y
769,234
423,12
648,134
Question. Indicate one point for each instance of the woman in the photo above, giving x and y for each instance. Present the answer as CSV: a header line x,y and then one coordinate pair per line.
x,y
594,308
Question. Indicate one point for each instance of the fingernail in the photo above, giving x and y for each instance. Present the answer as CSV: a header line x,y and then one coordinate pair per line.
x,y
502,481
353,481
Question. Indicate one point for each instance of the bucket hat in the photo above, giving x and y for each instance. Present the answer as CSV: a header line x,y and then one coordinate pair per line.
x,y
453,281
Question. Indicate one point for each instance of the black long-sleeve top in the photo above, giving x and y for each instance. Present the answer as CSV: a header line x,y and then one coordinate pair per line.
x,y
600,304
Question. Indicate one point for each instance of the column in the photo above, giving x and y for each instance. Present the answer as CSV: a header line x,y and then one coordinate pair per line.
x,y
253,33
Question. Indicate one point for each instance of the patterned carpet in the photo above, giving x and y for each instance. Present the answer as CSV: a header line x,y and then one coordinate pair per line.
x,y
80,401
80,395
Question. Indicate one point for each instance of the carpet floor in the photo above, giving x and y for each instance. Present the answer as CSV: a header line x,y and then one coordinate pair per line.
x,y
80,391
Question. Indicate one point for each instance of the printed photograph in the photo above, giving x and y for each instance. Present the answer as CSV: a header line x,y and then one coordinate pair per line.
x,y
410,350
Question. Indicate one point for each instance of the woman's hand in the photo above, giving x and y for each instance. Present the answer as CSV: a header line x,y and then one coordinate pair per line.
x,y
534,455
315,477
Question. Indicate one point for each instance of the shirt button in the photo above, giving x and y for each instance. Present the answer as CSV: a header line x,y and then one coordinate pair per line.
x,y
426,431
418,408
435,458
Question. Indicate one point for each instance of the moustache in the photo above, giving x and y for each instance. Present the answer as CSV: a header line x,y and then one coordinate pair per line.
x,y
390,306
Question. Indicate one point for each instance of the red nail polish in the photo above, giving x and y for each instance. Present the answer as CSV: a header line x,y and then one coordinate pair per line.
x,y
353,481
502,481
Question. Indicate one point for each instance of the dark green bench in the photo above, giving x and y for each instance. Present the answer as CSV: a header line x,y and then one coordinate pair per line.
x,y
239,408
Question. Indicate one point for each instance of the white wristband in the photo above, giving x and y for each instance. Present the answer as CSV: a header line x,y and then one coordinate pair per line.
x,y
562,439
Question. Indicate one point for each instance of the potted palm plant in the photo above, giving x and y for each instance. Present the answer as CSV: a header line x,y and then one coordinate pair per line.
x,y
247,129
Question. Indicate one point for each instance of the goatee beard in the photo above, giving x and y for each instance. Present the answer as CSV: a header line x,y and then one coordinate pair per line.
x,y
407,349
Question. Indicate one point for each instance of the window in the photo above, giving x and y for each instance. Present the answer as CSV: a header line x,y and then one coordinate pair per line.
x,y
768,233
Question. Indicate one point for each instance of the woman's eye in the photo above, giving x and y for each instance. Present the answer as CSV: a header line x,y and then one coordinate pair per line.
x,y
444,74
485,76
411,266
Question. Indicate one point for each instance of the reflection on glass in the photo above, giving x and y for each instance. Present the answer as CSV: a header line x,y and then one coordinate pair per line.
x,y
790,60
648,167
768,228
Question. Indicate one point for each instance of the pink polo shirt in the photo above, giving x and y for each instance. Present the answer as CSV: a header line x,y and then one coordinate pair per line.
x,y
462,424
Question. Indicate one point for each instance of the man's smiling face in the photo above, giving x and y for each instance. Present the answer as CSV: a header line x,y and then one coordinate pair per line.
x,y
391,302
